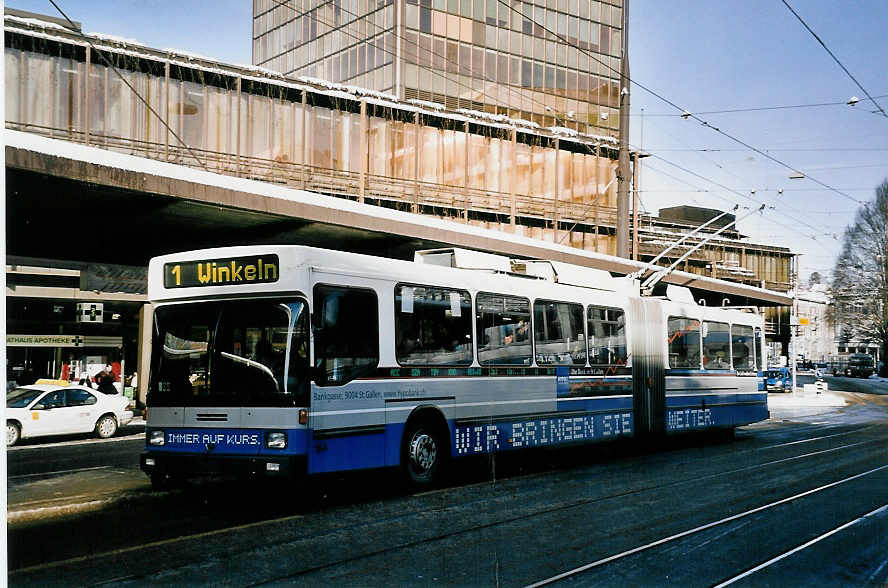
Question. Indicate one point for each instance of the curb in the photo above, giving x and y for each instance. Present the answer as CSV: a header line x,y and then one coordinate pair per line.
x,y
34,514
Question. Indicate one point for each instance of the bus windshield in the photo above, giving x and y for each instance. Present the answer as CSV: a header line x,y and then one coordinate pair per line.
x,y
230,353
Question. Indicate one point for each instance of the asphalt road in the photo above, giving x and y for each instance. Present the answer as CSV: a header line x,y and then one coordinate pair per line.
x,y
800,499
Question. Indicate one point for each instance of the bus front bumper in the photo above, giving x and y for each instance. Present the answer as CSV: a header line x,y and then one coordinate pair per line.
x,y
234,466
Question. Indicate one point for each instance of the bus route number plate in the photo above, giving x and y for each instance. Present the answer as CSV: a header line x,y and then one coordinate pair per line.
x,y
231,271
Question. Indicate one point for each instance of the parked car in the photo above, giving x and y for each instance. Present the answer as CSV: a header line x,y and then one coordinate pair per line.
x,y
860,365
778,380
50,409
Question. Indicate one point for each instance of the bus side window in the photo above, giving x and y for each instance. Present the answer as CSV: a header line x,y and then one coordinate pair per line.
x,y
433,326
683,337
346,323
503,326
759,360
742,347
558,333
607,336
716,346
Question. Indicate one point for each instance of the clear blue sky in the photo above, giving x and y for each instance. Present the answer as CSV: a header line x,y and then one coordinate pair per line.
x,y
703,55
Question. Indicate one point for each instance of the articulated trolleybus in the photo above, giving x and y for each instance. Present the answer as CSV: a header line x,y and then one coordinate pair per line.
x,y
291,360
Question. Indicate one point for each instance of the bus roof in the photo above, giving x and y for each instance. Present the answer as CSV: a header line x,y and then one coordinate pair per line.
x,y
274,269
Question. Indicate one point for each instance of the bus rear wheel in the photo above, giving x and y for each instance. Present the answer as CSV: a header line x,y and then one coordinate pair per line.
x,y
422,454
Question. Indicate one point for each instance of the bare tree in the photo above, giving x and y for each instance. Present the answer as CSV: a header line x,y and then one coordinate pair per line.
x,y
860,278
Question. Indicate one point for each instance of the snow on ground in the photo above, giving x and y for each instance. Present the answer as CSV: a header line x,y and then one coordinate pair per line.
x,y
800,398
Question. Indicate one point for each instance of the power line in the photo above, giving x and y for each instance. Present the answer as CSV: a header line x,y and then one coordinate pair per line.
x,y
731,190
735,192
685,113
651,191
800,149
851,167
759,108
128,85
836,59
434,71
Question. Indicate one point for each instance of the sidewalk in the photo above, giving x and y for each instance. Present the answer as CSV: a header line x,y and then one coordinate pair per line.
x,y
135,425
800,398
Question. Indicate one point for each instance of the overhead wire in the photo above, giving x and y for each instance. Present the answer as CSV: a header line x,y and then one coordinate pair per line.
x,y
685,112
738,193
655,190
757,108
163,121
746,196
285,4
836,59
293,8
377,27
800,149
768,218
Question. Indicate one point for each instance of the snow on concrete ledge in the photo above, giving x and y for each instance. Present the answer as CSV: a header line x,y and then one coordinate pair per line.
x,y
132,163
420,224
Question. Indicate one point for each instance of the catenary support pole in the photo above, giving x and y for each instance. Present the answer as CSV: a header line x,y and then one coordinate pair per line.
x,y
623,171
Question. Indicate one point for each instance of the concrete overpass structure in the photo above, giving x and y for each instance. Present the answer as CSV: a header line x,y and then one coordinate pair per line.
x,y
71,201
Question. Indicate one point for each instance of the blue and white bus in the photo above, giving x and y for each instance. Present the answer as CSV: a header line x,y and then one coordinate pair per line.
x,y
293,361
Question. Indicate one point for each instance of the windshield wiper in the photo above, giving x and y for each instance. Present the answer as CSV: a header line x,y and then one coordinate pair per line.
x,y
253,364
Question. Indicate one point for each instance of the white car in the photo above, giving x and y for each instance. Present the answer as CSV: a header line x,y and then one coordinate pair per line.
x,y
50,409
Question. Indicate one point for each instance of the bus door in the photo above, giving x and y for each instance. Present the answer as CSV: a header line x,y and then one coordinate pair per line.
x,y
347,415
648,377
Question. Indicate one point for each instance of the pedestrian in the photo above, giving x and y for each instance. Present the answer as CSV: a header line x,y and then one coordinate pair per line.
x,y
105,379
84,379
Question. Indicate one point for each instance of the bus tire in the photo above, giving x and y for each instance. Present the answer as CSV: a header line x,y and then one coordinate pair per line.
x,y
423,453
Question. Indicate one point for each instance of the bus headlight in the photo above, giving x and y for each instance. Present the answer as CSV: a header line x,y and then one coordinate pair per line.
x,y
156,438
276,440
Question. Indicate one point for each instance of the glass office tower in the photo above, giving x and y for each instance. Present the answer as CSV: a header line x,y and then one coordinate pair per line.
x,y
555,62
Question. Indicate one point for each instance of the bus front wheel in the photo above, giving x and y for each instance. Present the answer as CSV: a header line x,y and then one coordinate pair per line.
x,y
422,454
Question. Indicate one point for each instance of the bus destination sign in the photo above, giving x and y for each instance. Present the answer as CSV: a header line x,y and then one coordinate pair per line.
x,y
231,271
